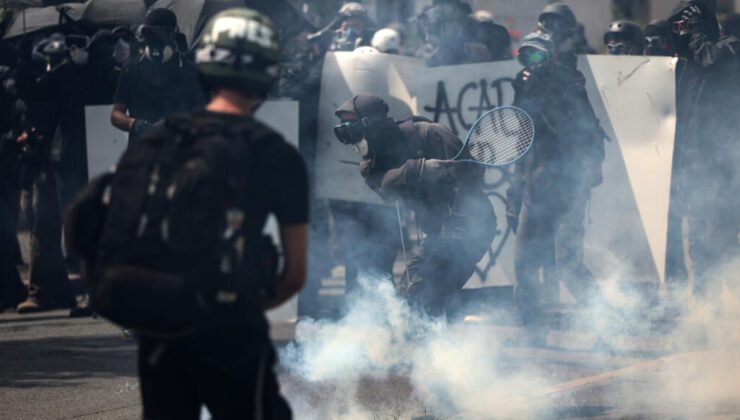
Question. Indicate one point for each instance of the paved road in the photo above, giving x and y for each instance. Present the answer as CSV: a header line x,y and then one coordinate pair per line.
x,y
53,367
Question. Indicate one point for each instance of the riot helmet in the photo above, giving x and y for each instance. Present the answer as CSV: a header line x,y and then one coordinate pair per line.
x,y
387,40
239,49
557,19
624,37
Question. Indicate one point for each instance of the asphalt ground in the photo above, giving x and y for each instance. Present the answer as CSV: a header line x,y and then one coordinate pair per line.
x,y
54,367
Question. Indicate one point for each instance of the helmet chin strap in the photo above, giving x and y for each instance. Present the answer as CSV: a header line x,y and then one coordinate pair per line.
x,y
159,56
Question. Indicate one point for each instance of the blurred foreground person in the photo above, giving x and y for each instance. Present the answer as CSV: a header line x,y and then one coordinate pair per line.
x,y
658,39
624,38
450,35
707,157
157,82
12,290
547,199
181,257
410,161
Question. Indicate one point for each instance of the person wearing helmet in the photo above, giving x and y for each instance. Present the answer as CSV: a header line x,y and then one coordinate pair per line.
x,y
227,364
410,160
550,186
387,40
558,20
706,158
494,36
624,38
450,35
351,28
158,82
658,41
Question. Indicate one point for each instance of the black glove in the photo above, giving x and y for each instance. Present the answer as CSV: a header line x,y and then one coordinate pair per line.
x,y
139,127
688,20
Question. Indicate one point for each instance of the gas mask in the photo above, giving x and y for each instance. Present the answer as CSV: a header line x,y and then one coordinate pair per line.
x,y
533,58
346,40
352,132
158,44
79,56
121,51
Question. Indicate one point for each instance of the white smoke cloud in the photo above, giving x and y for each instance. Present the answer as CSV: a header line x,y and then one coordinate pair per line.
x,y
448,369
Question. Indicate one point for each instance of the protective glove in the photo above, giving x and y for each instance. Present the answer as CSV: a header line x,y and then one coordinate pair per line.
x,y
139,127
436,170
688,20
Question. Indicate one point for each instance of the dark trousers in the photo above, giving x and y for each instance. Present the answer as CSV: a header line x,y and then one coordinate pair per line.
x,y
441,267
712,243
12,290
48,275
233,378
551,240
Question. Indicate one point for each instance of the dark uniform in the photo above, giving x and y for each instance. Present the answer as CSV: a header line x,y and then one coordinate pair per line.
x,y
452,210
152,90
552,184
706,163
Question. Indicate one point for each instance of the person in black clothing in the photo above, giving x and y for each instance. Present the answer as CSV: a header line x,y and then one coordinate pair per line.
x,y
494,36
451,35
172,243
158,82
12,290
624,38
658,40
547,199
410,161
566,34
706,154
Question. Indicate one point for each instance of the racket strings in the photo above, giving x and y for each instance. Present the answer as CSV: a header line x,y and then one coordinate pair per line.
x,y
501,136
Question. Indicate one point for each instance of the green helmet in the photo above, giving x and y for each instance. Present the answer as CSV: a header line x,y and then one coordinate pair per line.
x,y
239,48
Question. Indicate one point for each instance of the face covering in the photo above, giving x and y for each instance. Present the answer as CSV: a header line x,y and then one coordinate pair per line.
x,y
121,51
158,51
79,56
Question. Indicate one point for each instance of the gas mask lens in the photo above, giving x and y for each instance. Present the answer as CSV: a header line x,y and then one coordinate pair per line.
x,y
552,24
350,132
156,34
532,58
616,48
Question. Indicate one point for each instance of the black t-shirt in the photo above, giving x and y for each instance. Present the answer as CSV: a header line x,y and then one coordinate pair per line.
x,y
279,172
152,91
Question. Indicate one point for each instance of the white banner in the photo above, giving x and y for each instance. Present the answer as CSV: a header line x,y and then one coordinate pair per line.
x,y
634,98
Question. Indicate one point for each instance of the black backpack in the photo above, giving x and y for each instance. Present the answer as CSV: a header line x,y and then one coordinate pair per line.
x,y
175,246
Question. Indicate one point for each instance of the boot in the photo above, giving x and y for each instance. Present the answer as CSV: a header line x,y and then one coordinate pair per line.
x,y
30,305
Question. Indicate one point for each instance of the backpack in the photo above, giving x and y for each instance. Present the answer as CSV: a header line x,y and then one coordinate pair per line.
x,y
175,250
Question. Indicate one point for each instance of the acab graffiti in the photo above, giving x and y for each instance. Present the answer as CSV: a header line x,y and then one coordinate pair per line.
x,y
472,100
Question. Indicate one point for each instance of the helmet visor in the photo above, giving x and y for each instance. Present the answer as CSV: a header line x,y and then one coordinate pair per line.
x,y
350,132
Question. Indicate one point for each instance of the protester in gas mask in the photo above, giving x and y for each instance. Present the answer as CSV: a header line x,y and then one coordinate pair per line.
x,y
707,159
551,185
351,28
624,38
450,35
410,161
158,82
658,40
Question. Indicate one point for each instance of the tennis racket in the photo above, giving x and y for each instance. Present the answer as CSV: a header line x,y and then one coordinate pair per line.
x,y
499,137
